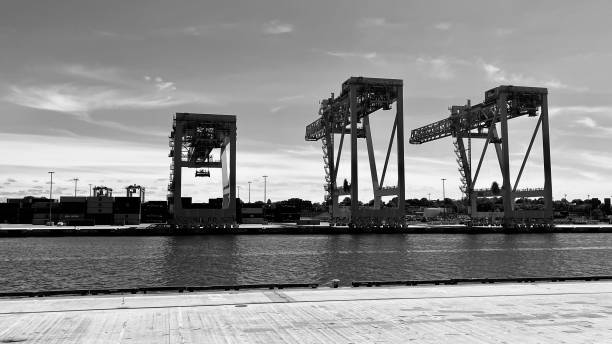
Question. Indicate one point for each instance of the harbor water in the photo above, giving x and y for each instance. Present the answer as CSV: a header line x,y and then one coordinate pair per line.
x,y
28,264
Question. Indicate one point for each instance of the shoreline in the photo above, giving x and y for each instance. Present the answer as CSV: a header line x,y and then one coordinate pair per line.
x,y
7,231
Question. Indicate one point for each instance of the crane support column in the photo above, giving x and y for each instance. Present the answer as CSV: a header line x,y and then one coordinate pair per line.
x,y
399,119
354,170
505,161
548,204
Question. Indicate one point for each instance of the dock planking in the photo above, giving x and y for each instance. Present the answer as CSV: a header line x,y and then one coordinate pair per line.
x,y
571,312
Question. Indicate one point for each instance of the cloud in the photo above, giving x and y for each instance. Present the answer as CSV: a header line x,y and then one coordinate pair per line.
x,y
361,55
497,74
197,30
193,30
580,109
587,122
106,34
80,100
276,109
275,27
502,31
290,98
161,84
443,26
437,68
100,88
373,22
102,74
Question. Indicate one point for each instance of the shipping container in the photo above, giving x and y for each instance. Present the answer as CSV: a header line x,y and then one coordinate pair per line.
x,y
128,203
127,219
73,199
103,219
100,210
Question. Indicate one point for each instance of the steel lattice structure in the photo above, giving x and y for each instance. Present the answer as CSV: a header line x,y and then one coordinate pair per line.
x,y
130,190
193,139
480,122
349,114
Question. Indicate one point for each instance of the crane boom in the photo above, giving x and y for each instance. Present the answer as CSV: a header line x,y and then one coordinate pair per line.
x,y
374,94
519,101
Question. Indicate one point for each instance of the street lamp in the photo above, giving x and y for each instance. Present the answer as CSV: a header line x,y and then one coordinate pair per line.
x,y
75,186
89,190
238,191
249,192
50,194
265,190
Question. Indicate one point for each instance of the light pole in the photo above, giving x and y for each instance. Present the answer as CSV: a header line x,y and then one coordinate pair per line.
x,y
249,192
265,184
89,190
590,205
50,194
238,191
444,196
75,185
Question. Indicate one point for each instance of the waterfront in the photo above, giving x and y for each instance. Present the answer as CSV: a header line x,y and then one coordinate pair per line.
x,y
112,262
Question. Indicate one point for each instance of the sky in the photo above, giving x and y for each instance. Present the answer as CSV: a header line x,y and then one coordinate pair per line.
x,y
88,88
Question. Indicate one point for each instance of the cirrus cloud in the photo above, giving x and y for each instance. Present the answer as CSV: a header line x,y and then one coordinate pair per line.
x,y
275,27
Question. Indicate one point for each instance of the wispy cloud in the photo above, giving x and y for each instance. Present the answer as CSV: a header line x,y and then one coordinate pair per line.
x,y
275,27
276,109
437,68
290,98
587,122
497,74
443,26
79,100
89,89
284,101
200,30
105,74
345,54
161,84
580,110
373,22
504,31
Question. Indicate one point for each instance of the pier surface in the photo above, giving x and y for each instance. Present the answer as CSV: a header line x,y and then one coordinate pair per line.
x,y
564,312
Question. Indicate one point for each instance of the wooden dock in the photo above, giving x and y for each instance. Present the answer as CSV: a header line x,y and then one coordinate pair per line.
x,y
562,312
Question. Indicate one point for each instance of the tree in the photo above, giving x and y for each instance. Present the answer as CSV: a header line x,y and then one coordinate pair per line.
x,y
495,188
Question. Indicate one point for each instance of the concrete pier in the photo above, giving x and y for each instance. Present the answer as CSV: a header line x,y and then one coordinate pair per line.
x,y
563,312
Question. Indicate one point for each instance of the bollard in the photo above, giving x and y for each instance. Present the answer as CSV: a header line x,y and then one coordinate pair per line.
x,y
335,283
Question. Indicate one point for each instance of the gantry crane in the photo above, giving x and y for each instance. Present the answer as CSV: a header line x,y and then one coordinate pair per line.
x,y
349,113
130,190
480,122
102,191
192,141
